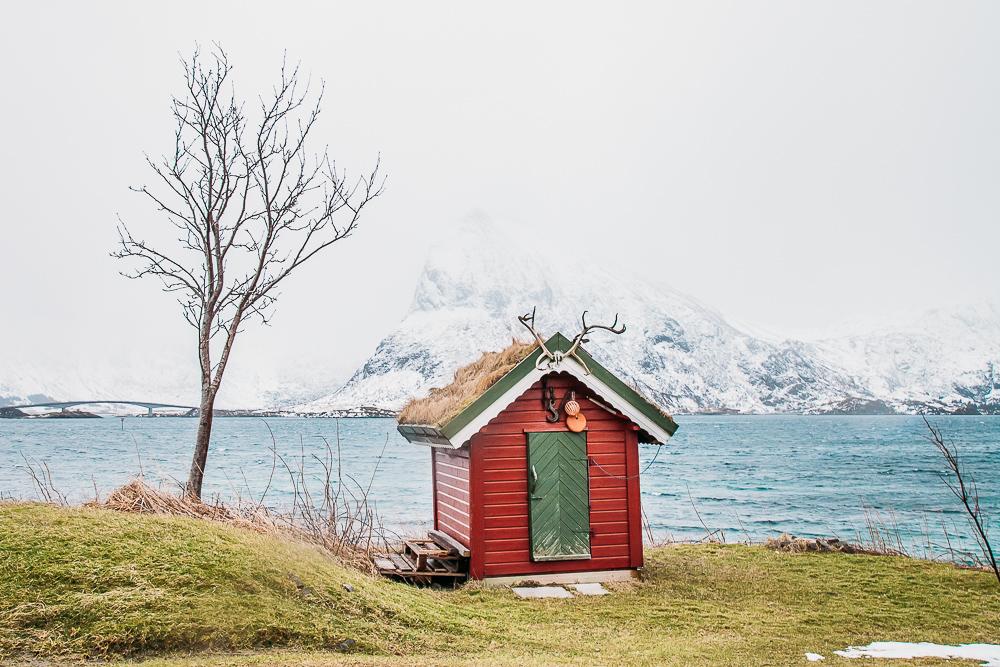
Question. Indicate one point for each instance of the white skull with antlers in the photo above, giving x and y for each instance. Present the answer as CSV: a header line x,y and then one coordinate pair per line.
x,y
547,358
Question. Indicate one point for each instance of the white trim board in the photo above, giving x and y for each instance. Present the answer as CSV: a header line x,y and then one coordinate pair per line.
x,y
574,368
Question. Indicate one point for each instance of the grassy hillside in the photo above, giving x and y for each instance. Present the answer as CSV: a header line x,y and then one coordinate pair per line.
x,y
95,583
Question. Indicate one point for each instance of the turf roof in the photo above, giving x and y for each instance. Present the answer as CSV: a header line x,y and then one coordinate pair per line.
x,y
448,409
442,404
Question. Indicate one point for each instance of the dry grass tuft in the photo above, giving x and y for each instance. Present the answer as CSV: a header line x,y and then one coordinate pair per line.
x,y
333,525
137,497
792,544
442,404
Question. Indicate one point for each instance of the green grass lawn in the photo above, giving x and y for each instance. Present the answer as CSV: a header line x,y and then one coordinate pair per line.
x,y
87,583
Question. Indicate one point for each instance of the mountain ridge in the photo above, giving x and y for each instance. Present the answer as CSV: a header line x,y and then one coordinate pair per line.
x,y
679,352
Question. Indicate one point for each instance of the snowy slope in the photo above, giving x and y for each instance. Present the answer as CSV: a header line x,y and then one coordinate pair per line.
x,y
677,351
942,359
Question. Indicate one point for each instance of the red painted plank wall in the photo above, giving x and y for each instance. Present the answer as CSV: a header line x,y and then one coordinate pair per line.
x,y
450,469
499,488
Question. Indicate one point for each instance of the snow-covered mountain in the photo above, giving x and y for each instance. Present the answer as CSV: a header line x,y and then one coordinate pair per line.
x,y
677,351
938,360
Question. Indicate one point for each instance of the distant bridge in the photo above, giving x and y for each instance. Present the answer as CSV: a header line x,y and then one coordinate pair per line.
x,y
64,405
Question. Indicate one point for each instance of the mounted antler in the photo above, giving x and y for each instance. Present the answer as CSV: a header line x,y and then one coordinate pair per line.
x,y
587,328
529,323
548,358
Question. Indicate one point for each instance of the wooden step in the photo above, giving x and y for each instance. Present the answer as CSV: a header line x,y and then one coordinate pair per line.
x,y
427,548
402,564
422,560
446,541
433,573
400,567
383,563
421,550
448,565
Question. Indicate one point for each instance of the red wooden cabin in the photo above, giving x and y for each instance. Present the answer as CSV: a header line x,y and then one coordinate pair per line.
x,y
531,491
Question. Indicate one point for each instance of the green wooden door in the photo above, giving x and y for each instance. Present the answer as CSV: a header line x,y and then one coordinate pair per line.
x,y
559,496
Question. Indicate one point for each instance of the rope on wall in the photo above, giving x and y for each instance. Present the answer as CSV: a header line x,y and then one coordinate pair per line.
x,y
594,462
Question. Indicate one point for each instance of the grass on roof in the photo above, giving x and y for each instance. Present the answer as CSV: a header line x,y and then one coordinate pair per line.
x,y
94,583
471,381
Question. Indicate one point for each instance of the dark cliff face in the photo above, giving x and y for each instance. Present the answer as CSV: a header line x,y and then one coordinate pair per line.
x,y
671,335
984,393
389,357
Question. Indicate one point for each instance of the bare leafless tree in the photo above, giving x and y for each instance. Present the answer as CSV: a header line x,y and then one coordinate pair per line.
x,y
251,204
963,486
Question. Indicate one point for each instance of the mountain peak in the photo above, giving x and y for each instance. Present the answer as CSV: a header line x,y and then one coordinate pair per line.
x,y
678,352
478,265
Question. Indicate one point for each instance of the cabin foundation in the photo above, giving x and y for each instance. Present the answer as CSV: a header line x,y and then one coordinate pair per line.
x,y
590,577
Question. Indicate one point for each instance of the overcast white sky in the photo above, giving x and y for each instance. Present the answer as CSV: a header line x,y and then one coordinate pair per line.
x,y
793,164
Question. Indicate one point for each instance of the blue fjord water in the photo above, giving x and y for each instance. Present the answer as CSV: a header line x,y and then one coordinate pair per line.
x,y
750,476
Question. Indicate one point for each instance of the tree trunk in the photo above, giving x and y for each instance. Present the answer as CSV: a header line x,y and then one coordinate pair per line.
x,y
201,442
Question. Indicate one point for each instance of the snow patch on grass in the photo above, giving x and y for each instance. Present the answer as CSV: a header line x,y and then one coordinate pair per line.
x,y
987,654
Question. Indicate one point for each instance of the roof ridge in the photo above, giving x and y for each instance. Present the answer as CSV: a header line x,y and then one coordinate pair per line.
x,y
506,370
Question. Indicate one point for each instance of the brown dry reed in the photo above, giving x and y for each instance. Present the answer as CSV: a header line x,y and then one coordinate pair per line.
x,y
471,381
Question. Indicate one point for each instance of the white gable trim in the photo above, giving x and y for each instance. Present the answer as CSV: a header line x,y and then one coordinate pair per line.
x,y
574,368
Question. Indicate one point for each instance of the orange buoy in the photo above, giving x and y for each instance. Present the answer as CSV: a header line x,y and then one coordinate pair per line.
x,y
576,423
572,408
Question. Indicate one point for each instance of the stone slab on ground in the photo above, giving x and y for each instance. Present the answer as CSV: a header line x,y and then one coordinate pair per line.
x,y
541,592
591,589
